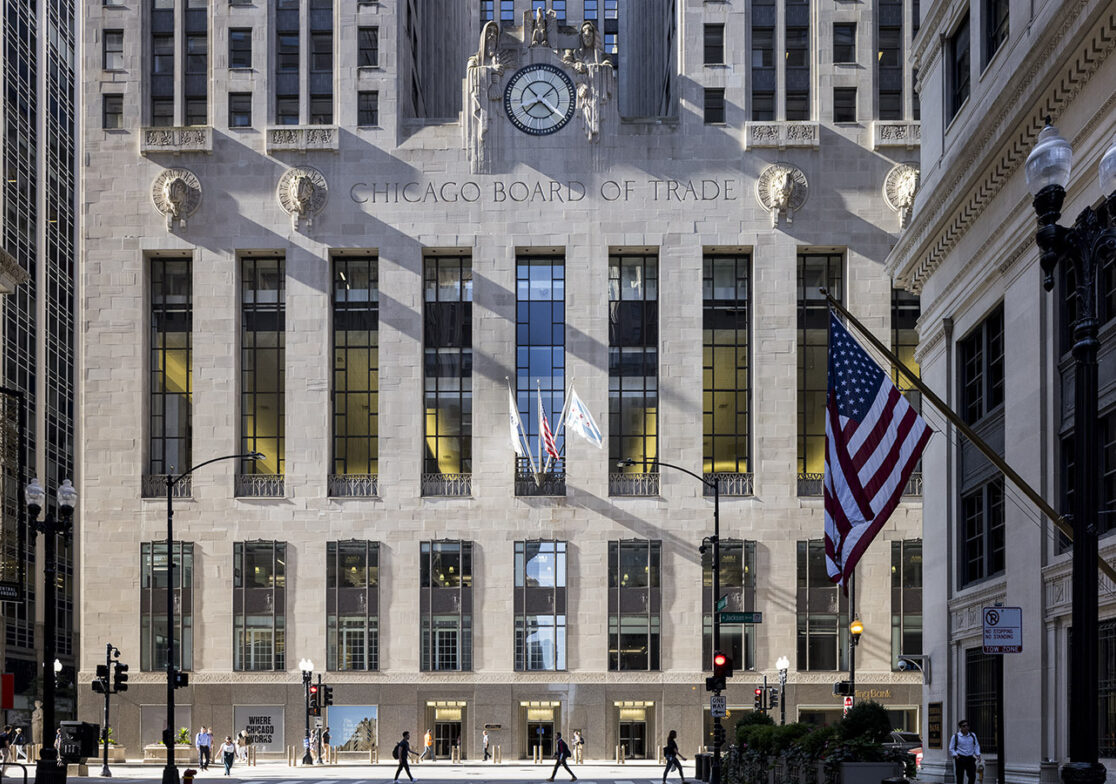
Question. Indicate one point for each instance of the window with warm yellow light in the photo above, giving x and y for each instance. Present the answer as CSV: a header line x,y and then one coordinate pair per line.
x,y
633,360
262,356
170,381
725,363
815,271
448,364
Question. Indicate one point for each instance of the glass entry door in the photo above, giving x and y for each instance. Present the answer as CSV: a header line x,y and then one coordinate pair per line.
x,y
539,720
446,736
540,733
633,737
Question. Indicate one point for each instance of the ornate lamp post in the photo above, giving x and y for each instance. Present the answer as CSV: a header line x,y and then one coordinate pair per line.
x,y
856,628
782,665
1083,249
47,770
175,677
307,668
715,540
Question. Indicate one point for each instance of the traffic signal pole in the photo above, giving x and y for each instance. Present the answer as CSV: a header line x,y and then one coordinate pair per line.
x,y
321,702
105,731
718,730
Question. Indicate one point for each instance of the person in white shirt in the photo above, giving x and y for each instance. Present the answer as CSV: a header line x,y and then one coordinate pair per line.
x,y
965,750
228,754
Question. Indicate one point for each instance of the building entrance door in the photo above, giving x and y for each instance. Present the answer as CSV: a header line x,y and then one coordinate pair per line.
x,y
633,737
446,736
539,720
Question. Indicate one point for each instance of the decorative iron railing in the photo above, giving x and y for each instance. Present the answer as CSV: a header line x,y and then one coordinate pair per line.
x,y
354,485
812,485
447,485
731,483
633,484
155,486
259,486
552,482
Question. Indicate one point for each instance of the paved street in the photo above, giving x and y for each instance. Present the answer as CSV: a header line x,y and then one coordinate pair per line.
x,y
382,773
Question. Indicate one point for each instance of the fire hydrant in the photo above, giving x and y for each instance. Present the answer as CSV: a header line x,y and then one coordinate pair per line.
x,y
188,776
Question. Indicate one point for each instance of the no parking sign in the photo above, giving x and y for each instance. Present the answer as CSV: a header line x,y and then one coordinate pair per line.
x,y
1003,629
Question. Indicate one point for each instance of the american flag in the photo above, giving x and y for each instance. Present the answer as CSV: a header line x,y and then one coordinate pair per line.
x,y
873,440
545,433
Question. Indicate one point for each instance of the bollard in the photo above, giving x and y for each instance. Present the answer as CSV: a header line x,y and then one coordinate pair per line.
x,y
497,757
622,755
372,756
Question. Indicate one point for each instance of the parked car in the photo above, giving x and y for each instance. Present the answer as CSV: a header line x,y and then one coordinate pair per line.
x,y
909,742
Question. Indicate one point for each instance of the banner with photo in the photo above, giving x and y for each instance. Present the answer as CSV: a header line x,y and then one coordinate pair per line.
x,y
353,727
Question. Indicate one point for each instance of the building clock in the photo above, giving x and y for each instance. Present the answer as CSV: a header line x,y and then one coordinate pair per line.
x,y
539,99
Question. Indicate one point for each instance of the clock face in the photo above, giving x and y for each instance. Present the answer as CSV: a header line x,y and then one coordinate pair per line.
x,y
539,99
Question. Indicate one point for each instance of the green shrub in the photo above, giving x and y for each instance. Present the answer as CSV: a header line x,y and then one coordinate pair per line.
x,y
866,721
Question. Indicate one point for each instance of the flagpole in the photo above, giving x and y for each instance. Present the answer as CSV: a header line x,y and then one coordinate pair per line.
x,y
967,431
519,427
538,398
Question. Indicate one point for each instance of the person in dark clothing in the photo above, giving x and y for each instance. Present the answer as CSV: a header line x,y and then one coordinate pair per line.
x,y
561,754
670,751
402,751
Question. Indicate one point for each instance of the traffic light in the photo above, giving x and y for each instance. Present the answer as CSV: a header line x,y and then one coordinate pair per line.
x,y
99,687
327,696
841,689
313,699
719,735
181,680
119,676
773,697
102,679
757,704
722,665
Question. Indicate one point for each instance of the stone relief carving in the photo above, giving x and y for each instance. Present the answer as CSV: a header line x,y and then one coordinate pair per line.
x,y
593,75
303,193
540,25
782,190
483,89
177,194
899,190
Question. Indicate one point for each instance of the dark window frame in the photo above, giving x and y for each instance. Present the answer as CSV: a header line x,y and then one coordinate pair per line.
x,y
446,605
263,333
240,47
726,327
844,105
713,44
844,43
815,269
980,357
353,595
237,103
714,105
268,654
738,583
906,599
958,68
448,362
368,46
112,50
170,307
634,598
153,605
981,539
535,601
818,626
633,359
997,17
368,108
112,111
355,343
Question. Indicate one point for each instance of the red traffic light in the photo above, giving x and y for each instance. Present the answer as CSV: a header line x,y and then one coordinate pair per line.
x,y
313,689
719,659
759,693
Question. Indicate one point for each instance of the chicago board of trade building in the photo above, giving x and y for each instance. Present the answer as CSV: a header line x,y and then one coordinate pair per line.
x,y
347,235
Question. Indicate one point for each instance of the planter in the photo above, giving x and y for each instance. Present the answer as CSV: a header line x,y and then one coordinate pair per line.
x,y
116,753
869,772
157,752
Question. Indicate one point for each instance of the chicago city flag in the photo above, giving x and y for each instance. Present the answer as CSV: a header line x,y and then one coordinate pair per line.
x,y
873,440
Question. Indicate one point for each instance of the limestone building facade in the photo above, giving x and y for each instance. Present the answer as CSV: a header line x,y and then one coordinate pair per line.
x,y
345,234
996,346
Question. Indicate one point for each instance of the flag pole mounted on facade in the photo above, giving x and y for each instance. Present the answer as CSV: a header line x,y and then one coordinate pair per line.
x,y
993,457
517,437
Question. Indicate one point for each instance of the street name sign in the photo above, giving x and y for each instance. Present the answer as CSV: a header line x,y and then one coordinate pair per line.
x,y
1003,629
742,617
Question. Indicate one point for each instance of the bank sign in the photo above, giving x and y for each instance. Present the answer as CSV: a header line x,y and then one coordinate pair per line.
x,y
1003,629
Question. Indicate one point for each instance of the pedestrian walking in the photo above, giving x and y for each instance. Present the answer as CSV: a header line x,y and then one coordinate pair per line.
x,y
670,752
428,744
202,741
228,754
325,743
20,744
485,740
242,746
561,754
402,752
578,743
965,750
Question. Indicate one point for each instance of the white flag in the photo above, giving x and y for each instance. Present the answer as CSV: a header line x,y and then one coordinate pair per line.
x,y
516,425
580,421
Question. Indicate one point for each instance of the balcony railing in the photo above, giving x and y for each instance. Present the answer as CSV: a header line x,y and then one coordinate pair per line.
x,y
447,485
732,484
553,482
633,484
354,485
259,486
812,485
155,486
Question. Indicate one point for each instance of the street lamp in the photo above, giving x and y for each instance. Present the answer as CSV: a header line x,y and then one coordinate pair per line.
x,y
782,664
307,668
46,770
856,628
715,483
1084,249
175,677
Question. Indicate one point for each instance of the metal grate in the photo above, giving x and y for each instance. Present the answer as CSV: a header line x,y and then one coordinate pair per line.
x,y
633,484
354,485
552,482
155,486
259,486
810,484
447,485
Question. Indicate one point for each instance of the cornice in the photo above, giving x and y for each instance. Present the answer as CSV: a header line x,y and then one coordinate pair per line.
x,y
957,203
929,43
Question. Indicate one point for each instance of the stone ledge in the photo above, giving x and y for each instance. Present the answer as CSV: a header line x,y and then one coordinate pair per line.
x,y
896,134
781,135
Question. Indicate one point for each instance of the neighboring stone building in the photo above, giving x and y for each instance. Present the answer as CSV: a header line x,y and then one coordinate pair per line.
x,y
299,240
995,345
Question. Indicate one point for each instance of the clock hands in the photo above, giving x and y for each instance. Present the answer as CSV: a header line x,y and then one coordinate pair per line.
x,y
548,105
